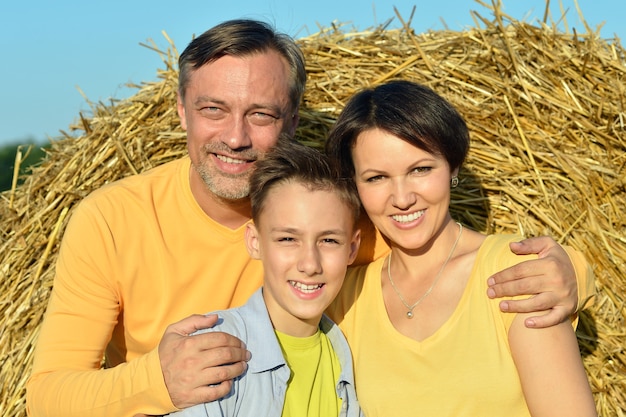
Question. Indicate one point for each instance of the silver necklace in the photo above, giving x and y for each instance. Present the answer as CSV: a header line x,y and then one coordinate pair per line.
x,y
410,308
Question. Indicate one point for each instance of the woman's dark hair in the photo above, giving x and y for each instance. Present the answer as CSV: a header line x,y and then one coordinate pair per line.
x,y
410,111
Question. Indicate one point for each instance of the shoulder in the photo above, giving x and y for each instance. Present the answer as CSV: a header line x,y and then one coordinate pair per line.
x,y
136,193
137,185
337,339
250,322
496,250
229,321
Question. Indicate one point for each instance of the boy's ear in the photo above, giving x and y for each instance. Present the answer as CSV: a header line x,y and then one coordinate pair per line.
x,y
355,243
252,241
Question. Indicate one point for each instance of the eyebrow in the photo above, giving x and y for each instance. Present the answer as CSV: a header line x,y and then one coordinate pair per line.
x,y
206,99
299,231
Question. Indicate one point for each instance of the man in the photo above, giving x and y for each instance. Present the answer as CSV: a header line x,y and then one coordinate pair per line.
x,y
153,249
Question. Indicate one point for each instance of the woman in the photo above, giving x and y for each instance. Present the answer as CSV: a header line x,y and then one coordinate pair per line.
x,y
426,340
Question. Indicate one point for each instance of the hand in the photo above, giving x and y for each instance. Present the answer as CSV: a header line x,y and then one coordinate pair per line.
x,y
551,277
199,368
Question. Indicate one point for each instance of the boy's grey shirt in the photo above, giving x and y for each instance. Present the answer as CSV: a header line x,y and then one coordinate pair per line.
x,y
260,391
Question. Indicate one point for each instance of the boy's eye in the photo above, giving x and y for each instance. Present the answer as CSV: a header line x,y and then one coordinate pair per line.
x,y
285,239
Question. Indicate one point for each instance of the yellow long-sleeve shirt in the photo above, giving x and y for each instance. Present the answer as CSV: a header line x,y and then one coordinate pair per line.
x,y
138,255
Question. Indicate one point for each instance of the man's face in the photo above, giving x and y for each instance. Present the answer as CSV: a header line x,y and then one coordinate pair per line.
x,y
234,110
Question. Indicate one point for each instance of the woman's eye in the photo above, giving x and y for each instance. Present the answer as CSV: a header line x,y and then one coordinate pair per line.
x,y
374,178
421,170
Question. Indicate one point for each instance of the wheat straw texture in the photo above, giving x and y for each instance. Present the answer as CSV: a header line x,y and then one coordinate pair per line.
x,y
546,110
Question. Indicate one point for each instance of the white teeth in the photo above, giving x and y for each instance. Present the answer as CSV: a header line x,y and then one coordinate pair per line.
x,y
405,218
230,160
304,287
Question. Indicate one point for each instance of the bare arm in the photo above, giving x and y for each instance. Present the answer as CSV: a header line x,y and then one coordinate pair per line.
x,y
199,368
551,279
551,371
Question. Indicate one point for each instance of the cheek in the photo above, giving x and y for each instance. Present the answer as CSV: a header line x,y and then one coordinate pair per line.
x,y
264,139
196,130
436,191
335,267
276,258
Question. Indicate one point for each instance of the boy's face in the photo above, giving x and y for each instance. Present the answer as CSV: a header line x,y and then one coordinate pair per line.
x,y
305,239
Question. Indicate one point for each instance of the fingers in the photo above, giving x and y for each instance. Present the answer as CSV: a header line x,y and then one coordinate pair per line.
x,y
541,302
207,385
550,280
532,277
200,367
209,393
192,324
545,275
544,302
551,317
519,279
533,245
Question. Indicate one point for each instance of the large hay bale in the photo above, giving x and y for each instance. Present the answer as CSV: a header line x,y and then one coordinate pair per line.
x,y
546,111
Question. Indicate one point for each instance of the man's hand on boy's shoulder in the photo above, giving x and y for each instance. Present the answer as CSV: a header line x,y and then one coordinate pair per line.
x,y
199,368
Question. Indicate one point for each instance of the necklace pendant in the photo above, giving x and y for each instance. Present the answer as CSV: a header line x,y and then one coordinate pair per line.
x,y
409,314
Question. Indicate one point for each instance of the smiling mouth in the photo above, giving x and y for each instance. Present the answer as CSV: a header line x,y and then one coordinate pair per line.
x,y
406,218
305,288
230,160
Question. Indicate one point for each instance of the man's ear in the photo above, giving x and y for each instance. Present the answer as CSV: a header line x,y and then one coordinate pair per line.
x,y
180,108
252,241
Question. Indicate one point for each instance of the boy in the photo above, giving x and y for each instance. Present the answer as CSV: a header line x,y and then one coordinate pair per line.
x,y
304,232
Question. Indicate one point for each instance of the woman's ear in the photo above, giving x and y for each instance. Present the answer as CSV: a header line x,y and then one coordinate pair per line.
x,y
252,241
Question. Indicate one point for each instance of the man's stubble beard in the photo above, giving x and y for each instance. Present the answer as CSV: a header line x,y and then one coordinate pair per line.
x,y
225,186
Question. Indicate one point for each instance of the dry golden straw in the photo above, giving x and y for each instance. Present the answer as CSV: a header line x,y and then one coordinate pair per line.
x,y
546,110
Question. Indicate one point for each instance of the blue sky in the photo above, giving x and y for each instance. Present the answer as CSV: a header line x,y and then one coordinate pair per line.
x,y
51,49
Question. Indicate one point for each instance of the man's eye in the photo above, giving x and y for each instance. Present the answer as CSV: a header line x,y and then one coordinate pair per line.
x,y
260,118
211,111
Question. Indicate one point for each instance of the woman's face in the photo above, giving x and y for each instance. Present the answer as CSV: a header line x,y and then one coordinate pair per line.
x,y
405,190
